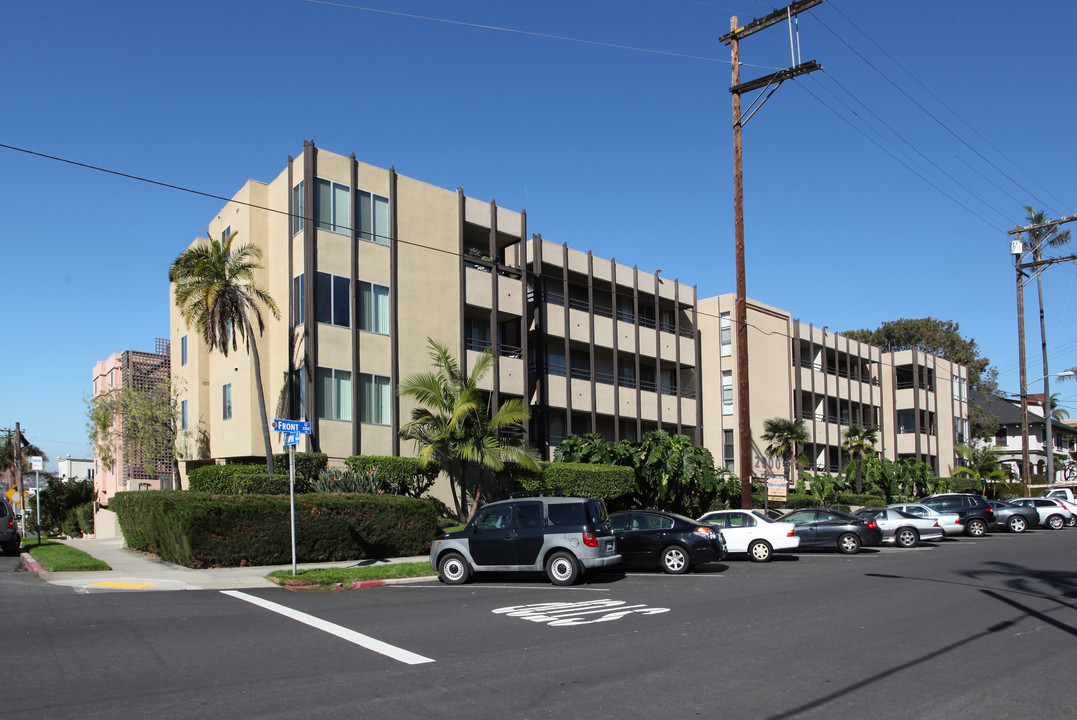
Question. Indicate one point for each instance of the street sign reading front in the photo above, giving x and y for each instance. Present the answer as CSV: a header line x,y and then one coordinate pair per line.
x,y
293,426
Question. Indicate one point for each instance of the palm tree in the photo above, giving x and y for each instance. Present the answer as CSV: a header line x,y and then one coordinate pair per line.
x,y
782,437
216,295
1058,412
453,427
27,450
860,442
983,464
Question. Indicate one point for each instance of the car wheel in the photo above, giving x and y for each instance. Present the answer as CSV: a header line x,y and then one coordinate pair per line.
x,y
907,538
562,569
849,544
1018,524
1055,522
675,560
975,527
453,569
1071,520
759,551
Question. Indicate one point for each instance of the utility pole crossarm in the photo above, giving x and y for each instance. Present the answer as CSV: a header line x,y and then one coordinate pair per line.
x,y
780,76
767,20
1037,226
1048,261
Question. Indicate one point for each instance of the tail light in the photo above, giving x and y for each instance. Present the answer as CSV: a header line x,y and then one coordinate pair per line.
x,y
590,540
10,522
704,531
872,525
792,532
936,524
989,510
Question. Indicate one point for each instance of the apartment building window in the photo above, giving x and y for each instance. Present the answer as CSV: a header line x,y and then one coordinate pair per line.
x,y
960,389
226,401
183,350
373,311
375,404
332,207
727,392
299,390
297,208
906,420
1000,436
961,430
725,334
183,414
332,394
373,212
668,383
299,285
332,299
728,456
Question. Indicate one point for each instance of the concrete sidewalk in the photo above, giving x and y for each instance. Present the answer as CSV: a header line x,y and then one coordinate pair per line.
x,y
132,570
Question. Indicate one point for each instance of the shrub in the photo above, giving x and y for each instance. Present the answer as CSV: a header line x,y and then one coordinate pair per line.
x,y
70,524
84,515
59,499
340,480
238,480
865,500
963,485
583,480
396,475
794,501
307,466
202,530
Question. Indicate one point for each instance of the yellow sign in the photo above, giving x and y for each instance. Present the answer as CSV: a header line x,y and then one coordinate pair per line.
x,y
14,496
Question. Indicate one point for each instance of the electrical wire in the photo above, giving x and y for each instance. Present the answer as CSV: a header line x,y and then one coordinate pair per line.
x,y
531,34
309,219
952,111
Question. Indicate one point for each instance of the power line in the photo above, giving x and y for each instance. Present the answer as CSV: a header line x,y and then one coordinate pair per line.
x,y
952,111
307,219
924,109
527,32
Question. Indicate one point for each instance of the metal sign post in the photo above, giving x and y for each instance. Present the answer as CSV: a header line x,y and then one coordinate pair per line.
x,y
292,429
38,464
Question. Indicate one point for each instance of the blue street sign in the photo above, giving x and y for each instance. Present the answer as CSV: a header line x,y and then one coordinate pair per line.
x,y
293,426
291,438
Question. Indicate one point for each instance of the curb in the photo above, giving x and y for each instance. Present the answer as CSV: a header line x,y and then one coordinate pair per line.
x,y
28,562
363,584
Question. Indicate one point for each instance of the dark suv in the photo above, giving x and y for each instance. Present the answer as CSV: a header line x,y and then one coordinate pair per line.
x,y
973,510
9,528
564,536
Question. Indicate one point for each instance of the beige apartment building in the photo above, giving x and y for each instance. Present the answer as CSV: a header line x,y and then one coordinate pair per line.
x,y
917,402
366,264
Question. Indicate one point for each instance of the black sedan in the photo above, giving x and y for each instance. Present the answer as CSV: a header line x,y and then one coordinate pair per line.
x,y
649,538
827,528
1014,518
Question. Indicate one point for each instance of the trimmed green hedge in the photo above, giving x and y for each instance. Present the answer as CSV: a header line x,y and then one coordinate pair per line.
x,y
307,466
200,530
962,485
398,475
239,480
582,479
865,500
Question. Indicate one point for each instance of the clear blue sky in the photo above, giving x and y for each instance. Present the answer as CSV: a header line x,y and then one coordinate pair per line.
x,y
624,152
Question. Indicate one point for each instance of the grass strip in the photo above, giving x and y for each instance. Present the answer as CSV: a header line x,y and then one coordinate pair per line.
x,y
57,557
332,576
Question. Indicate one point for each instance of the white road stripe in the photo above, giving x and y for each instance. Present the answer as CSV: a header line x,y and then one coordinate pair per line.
x,y
333,629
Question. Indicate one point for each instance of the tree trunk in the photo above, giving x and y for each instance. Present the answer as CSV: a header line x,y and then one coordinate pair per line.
x,y
261,396
859,480
478,494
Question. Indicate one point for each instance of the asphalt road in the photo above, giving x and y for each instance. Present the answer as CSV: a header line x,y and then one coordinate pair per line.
x,y
967,628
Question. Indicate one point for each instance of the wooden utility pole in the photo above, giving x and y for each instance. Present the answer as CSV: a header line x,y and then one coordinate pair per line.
x,y
1025,467
744,435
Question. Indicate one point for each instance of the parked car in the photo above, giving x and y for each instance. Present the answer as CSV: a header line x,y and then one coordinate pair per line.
x,y
752,532
827,528
976,515
1068,504
901,528
1052,513
10,540
564,536
674,543
950,523
1066,493
1015,518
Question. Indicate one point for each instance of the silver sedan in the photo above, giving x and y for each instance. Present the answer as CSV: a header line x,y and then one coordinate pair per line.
x,y
949,522
901,528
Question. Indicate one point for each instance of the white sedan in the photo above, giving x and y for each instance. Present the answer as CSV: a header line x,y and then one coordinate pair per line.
x,y
752,532
1053,514
949,522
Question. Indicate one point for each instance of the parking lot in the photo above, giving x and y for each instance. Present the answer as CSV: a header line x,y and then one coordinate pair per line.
x,y
946,629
